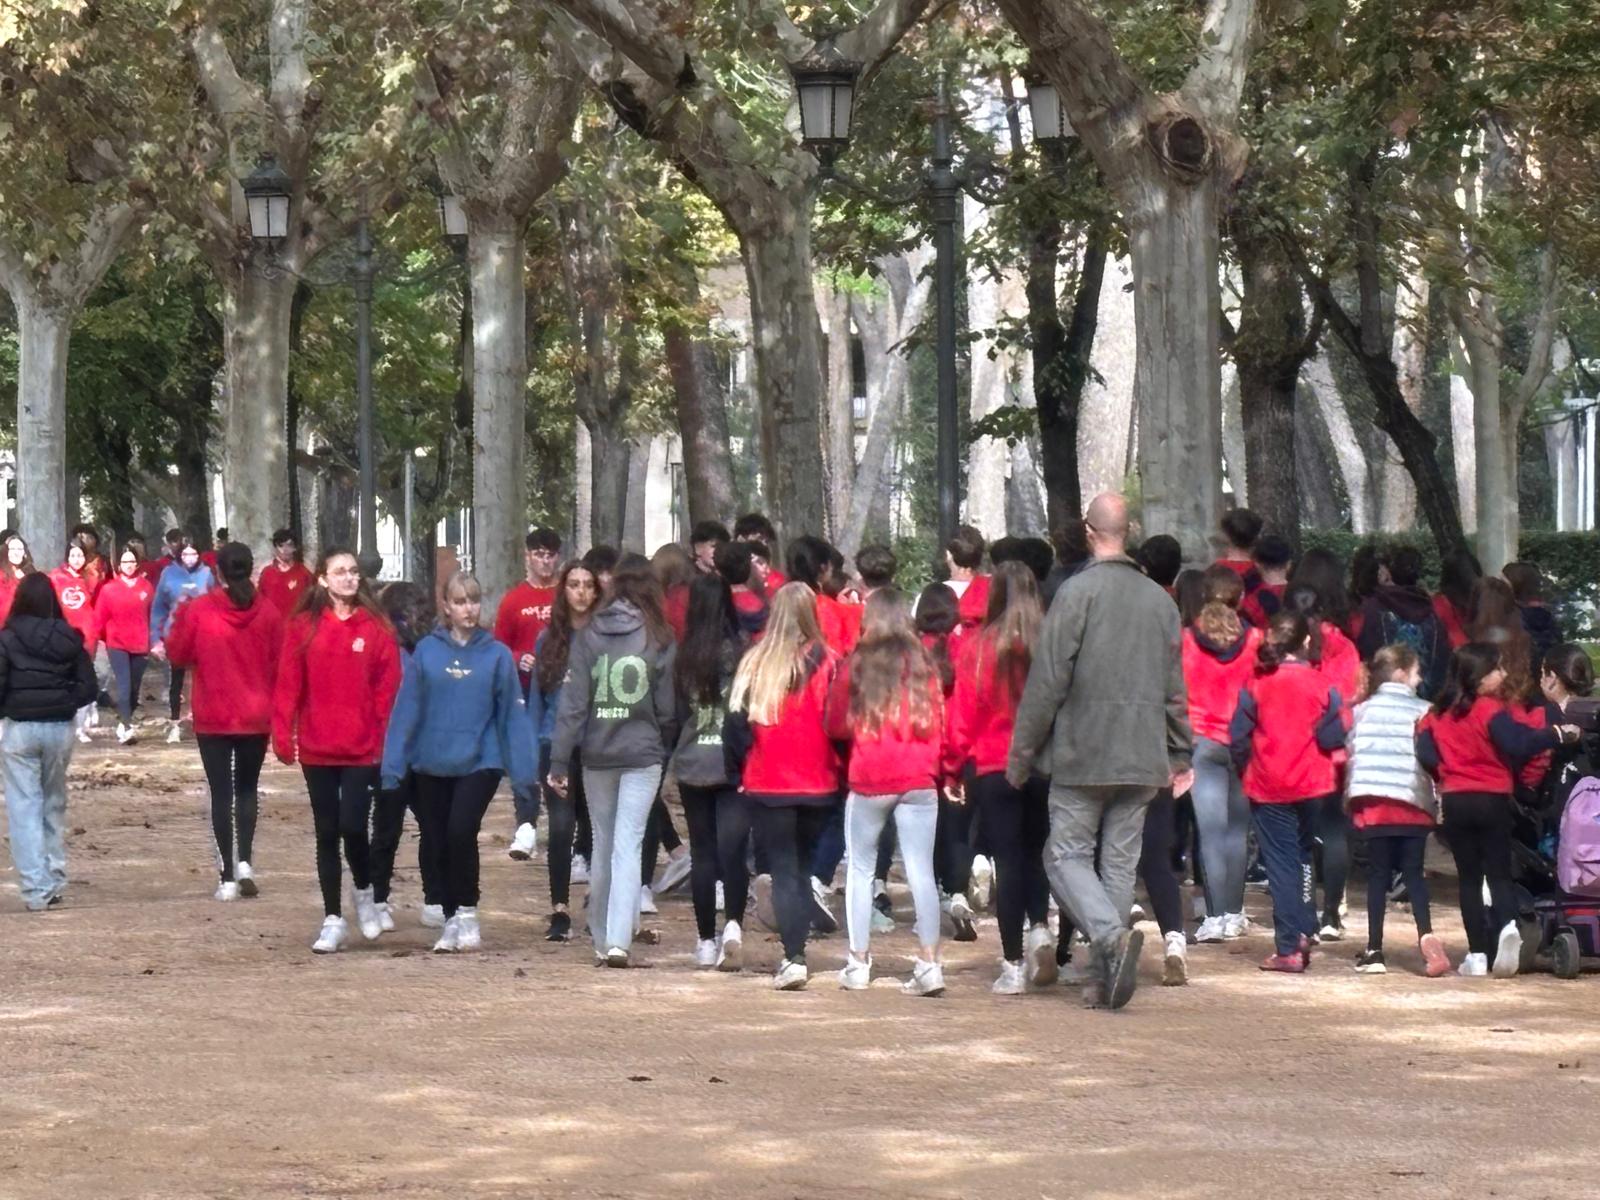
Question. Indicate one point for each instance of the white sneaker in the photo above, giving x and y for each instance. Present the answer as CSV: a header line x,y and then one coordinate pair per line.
x,y
790,977
174,733
856,975
580,869
1197,906
981,884
450,938
1040,949
433,916
366,913
616,957
706,953
1508,953
333,936
524,843
245,874
730,954
1011,981
1476,965
822,918
1212,929
385,917
125,734
675,873
1235,926
83,735
468,934
647,900
1175,966
1136,914
927,979
882,922
961,917
227,890
1331,933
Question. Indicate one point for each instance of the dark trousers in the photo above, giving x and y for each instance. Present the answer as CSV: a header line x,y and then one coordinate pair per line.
x,y
1016,824
175,692
719,837
788,837
1478,827
569,826
1386,854
1155,862
1332,827
828,852
887,841
451,808
659,831
388,823
341,805
1283,832
952,856
128,670
232,764
526,804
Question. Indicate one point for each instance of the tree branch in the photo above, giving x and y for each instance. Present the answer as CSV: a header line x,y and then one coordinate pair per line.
x,y
1216,82
636,30
873,40
1541,347
286,48
231,99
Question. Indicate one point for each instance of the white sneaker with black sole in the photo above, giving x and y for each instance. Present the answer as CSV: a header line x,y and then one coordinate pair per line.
x,y
524,843
246,875
962,917
332,937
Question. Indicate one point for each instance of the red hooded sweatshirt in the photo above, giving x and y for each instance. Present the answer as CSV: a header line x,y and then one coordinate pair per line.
x,y
284,586
1283,733
1452,618
895,759
1214,676
122,614
839,629
234,653
335,688
973,603
76,593
1477,752
794,757
983,709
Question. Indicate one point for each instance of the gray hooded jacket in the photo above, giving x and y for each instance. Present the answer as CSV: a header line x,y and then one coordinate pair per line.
x,y
617,703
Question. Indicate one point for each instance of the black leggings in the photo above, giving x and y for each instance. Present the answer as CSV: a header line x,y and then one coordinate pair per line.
x,y
233,769
127,669
341,804
952,855
659,831
388,823
1478,827
788,838
175,692
1331,826
1016,824
719,836
451,809
1155,862
569,826
1386,854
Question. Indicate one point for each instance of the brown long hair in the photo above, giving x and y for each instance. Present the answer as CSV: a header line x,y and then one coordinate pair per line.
x,y
892,677
551,665
318,600
635,582
1495,618
26,567
1011,623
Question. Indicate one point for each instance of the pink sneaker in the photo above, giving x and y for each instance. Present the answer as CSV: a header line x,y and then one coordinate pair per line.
x,y
1435,961
1289,964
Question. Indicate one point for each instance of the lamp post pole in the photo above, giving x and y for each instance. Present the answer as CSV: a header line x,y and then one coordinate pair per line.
x,y
945,192
370,560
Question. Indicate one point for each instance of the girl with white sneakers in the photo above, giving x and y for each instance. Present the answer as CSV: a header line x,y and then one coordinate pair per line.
x,y
122,621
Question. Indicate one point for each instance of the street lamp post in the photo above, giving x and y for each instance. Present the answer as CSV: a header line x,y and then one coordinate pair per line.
x,y
371,561
944,190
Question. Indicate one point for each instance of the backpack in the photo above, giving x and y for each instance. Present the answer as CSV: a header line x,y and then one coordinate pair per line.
x,y
1426,639
1578,859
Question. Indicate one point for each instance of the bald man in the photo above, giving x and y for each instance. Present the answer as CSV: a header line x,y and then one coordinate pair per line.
x,y
1105,715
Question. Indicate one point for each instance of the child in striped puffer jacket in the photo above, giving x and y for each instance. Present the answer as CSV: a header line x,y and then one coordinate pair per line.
x,y
1392,801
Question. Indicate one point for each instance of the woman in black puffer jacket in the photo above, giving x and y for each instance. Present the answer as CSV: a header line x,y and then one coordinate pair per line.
x,y
45,678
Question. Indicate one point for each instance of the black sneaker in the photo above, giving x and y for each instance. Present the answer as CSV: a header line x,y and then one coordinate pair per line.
x,y
1371,963
560,928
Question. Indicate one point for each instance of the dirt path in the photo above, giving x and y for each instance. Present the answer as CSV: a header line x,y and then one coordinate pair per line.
x,y
157,1043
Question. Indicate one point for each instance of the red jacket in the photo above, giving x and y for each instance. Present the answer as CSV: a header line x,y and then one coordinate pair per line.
x,y
983,710
122,614
8,592
794,756
895,759
1370,812
1476,752
523,614
284,587
76,593
1283,733
1262,602
1341,662
336,685
151,568
1214,676
839,629
675,608
234,653
1452,618
973,603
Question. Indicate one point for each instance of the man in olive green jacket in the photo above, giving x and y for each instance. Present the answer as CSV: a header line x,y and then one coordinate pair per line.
x,y
1104,714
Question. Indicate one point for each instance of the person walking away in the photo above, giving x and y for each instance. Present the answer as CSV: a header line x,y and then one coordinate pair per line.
x,y
76,591
182,581
231,639
936,617
122,619
1392,802
1105,703
1282,736
887,702
735,563
337,678
719,825
577,592
1237,534
522,616
756,529
1402,611
1273,556
617,709
15,563
1474,747
990,672
285,579
1452,603
459,725
963,559
783,762
1527,586
46,677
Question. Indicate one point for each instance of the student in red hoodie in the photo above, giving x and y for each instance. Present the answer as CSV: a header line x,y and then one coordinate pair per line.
x,y
523,614
1283,733
1237,534
1452,603
15,563
1474,747
76,589
755,529
1273,556
991,670
888,703
285,579
811,563
783,761
122,618
736,564
231,639
337,679
963,558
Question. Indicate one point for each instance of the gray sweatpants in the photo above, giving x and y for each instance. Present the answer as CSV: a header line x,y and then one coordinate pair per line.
x,y
1081,817
1222,816
916,820
620,799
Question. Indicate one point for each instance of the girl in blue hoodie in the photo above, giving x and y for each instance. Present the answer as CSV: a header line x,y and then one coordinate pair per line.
x,y
460,724
186,578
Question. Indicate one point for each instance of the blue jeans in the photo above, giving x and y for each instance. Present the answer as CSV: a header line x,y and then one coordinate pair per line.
x,y
33,759
1283,831
620,799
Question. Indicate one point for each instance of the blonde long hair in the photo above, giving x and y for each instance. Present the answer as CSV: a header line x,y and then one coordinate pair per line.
x,y
775,667
892,676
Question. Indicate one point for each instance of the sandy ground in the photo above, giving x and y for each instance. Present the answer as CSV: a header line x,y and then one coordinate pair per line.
x,y
154,1042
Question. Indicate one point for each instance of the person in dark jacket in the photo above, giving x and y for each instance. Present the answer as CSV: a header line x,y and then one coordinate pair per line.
x,y
1544,631
1401,612
45,678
